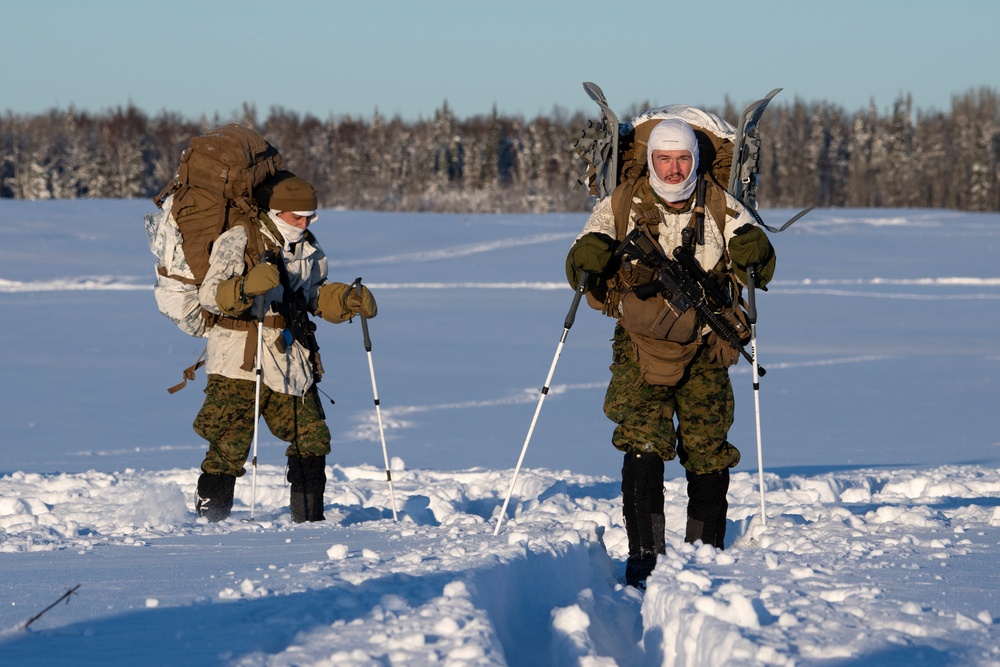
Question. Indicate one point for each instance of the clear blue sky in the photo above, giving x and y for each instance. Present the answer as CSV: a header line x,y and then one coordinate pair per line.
x,y
405,57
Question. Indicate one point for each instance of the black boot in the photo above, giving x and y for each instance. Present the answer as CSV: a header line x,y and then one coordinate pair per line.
x,y
642,503
307,477
707,508
215,496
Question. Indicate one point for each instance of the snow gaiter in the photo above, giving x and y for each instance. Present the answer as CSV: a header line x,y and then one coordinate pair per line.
x,y
642,502
307,477
215,496
707,507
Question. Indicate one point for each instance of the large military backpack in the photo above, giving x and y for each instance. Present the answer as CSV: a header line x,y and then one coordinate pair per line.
x,y
618,171
615,153
212,192
715,148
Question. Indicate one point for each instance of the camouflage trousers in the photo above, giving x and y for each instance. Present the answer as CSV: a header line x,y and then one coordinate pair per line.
x,y
226,421
702,404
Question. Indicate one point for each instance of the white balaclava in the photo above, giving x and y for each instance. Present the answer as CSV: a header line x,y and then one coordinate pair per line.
x,y
672,134
291,233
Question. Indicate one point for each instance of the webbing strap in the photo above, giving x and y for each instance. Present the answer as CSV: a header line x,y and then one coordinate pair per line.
x,y
239,324
189,372
250,326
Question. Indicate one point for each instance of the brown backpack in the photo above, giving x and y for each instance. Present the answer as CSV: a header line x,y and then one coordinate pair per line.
x,y
214,191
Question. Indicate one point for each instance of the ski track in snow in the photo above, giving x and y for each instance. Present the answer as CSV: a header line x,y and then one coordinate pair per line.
x,y
438,588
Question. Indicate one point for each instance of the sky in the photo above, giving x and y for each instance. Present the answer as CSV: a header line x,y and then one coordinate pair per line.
x,y
527,57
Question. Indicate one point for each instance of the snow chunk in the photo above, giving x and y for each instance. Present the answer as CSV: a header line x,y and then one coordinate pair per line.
x,y
337,552
738,610
699,580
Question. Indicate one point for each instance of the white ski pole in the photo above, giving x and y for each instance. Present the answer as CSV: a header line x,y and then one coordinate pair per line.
x,y
752,316
259,368
570,318
378,408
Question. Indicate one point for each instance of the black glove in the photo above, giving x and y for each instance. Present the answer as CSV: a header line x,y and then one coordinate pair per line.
x,y
591,253
751,247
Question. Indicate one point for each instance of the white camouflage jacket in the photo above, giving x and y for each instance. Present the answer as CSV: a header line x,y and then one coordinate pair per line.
x,y
672,222
287,372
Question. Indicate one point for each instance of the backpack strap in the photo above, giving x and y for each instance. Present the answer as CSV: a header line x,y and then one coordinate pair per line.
x,y
257,244
623,203
189,372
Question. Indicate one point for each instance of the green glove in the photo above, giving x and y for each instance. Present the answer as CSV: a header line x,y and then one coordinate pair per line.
x,y
591,253
361,304
261,279
750,246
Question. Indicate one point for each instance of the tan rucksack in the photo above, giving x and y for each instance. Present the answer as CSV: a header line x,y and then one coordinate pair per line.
x,y
212,192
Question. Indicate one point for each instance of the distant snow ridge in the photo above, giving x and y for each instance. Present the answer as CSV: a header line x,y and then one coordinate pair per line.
x,y
86,283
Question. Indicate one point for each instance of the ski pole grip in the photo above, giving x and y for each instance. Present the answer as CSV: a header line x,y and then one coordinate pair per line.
x,y
752,293
364,320
581,288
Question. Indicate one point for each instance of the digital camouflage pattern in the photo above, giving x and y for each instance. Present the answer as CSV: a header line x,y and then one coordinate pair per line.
x,y
702,402
226,421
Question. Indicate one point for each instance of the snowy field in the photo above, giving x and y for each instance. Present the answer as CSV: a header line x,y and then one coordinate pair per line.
x,y
878,413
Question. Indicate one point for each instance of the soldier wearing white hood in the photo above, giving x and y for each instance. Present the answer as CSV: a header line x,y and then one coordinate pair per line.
x,y
682,375
240,290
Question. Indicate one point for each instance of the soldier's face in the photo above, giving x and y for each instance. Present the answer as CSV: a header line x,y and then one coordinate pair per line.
x,y
300,221
672,167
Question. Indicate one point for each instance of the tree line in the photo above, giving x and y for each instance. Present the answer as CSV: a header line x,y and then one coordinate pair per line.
x,y
813,153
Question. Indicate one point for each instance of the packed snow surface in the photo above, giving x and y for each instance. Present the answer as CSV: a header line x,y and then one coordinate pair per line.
x,y
881,461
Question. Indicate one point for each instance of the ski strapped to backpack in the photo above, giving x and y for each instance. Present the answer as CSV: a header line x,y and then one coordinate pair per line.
x,y
212,192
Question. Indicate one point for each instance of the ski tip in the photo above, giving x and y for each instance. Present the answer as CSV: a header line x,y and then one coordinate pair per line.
x,y
593,90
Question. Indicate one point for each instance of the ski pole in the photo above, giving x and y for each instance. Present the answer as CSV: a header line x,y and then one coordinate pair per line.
x,y
378,409
752,316
570,318
259,371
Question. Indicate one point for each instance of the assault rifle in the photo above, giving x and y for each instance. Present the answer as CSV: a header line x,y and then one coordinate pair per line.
x,y
298,327
685,284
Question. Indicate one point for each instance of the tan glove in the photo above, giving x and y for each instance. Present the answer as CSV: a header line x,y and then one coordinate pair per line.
x,y
363,303
227,297
339,302
261,279
331,304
